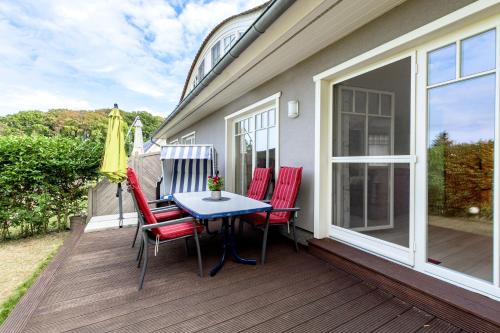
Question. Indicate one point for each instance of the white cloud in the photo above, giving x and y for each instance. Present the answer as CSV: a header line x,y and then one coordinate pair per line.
x,y
40,100
93,53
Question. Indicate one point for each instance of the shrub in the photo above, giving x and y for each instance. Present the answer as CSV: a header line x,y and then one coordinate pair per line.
x,y
43,178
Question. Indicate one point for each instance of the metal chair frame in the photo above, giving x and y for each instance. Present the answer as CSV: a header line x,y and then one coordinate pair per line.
x,y
149,239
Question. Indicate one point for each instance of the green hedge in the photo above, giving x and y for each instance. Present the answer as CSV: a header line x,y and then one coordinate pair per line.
x,y
460,176
43,180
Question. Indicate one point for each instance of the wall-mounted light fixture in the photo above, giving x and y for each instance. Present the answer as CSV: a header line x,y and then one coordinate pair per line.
x,y
293,109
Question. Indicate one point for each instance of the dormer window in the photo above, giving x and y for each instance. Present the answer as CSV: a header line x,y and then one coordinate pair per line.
x,y
201,70
215,53
229,42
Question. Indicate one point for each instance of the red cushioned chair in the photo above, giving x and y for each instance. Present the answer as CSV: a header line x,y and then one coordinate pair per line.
x,y
155,232
161,214
258,187
260,182
283,202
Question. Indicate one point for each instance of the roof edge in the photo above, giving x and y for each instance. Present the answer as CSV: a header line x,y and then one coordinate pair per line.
x,y
273,10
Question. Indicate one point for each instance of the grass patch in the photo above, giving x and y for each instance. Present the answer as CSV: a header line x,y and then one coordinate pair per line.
x,y
19,291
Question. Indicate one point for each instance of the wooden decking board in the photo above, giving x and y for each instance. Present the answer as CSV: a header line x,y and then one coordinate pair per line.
x,y
211,287
371,320
118,317
438,326
233,275
226,308
250,319
343,314
94,289
410,321
467,310
309,311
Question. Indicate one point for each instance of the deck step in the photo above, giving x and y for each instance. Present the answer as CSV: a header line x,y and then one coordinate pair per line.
x,y
470,311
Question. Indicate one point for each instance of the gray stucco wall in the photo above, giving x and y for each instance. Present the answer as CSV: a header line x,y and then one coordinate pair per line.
x,y
297,135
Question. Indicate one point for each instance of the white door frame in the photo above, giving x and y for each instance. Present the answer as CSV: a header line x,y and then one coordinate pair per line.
x,y
395,252
479,13
272,101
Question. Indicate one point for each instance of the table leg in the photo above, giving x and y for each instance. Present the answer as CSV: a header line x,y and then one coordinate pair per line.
x,y
234,251
229,248
225,248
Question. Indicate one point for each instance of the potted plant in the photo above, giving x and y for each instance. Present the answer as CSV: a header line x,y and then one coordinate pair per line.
x,y
215,185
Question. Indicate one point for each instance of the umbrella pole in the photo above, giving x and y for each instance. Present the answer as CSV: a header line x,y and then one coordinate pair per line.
x,y
120,205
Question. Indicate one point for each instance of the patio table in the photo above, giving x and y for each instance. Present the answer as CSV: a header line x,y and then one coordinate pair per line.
x,y
202,207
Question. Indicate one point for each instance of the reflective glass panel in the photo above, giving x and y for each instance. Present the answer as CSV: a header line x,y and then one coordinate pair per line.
x,y
478,53
441,64
461,139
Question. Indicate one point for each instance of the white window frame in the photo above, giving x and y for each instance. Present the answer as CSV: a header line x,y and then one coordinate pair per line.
x,y
230,121
486,14
175,142
189,136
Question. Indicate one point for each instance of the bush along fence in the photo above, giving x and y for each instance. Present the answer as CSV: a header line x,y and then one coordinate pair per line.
x,y
460,176
43,181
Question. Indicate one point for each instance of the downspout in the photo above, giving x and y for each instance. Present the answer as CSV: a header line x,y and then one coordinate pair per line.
x,y
275,9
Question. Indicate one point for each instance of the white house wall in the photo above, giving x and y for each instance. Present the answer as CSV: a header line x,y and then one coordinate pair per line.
x,y
296,138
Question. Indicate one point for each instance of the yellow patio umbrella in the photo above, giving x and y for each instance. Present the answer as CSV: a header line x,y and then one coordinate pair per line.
x,y
114,162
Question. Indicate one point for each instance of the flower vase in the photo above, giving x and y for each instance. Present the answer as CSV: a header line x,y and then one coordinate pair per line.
x,y
215,195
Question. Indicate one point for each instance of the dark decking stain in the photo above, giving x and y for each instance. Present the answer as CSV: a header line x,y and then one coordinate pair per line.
x,y
94,289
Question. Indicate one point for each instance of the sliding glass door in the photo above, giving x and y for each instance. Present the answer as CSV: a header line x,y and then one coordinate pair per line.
x,y
255,144
462,92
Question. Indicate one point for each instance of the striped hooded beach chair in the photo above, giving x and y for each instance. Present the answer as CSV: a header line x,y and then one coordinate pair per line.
x,y
188,166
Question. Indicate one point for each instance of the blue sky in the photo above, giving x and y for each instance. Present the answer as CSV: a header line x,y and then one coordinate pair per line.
x,y
91,54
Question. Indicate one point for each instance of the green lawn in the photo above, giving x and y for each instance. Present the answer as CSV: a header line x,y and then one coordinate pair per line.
x,y
22,261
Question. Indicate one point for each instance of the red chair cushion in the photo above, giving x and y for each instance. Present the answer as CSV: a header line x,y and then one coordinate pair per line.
x,y
260,218
168,215
286,189
134,185
177,230
259,184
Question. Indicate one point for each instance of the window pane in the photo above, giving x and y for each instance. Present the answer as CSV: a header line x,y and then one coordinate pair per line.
x,y
264,119
258,121
215,53
373,103
347,100
378,195
360,102
478,53
378,132
272,117
261,148
386,105
441,64
353,135
460,176
386,204
379,136
351,186
201,70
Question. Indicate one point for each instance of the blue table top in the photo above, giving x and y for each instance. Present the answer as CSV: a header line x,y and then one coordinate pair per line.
x,y
199,205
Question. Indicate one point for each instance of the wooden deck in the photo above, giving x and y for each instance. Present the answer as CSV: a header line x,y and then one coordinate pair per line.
x,y
94,289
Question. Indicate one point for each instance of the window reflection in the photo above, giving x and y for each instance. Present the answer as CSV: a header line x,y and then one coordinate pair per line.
x,y
478,53
441,64
460,176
